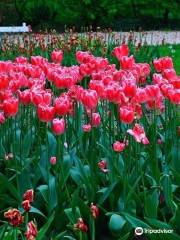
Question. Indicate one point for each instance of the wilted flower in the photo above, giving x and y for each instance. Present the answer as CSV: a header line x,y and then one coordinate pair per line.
x,y
8,156
29,195
31,231
139,134
26,205
80,225
94,210
103,166
14,217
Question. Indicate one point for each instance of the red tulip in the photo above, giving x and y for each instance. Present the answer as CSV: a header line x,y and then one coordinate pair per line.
x,y
57,56
152,92
169,74
62,105
58,126
10,106
127,114
98,86
174,96
96,119
86,127
121,51
4,81
89,99
127,62
45,113
41,97
25,96
129,89
21,60
162,64
118,146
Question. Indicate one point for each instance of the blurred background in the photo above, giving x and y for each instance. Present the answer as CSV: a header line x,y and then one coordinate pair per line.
x,y
83,15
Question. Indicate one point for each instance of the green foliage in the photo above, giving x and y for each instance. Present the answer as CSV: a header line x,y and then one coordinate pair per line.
x,y
80,13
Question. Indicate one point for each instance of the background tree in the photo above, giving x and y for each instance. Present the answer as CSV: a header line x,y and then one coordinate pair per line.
x,y
104,13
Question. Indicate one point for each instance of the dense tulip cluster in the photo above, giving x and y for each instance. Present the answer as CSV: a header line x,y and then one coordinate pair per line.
x,y
26,82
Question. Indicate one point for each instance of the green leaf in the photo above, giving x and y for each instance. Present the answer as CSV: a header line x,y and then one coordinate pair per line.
x,y
116,223
43,189
60,235
167,190
175,220
9,235
76,176
52,193
44,229
135,222
106,192
17,142
69,237
27,142
2,230
67,165
35,210
9,186
157,224
2,151
52,144
73,215
151,204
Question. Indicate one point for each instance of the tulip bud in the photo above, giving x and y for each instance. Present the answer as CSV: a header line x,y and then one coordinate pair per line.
x,y
53,160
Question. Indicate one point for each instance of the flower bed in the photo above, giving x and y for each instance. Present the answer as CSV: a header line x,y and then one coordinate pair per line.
x,y
87,146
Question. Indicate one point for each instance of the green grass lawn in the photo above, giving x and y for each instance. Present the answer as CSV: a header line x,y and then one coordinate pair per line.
x,y
174,52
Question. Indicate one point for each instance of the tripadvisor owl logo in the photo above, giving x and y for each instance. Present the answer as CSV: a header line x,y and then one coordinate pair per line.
x,y
138,231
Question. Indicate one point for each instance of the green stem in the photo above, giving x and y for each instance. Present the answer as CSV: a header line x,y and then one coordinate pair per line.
x,y
60,161
93,230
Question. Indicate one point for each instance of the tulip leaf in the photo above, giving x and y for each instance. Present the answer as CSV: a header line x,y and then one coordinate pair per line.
x,y
116,223
44,229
